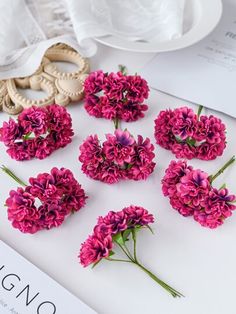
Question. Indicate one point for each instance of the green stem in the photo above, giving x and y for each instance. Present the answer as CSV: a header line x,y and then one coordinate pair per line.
x,y
200,107
168,288
135,244
117,260
123,69
127,253
134,260
12,175
222,169
116,123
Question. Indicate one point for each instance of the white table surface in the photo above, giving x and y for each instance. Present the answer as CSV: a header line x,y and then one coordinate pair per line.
x,y
197,261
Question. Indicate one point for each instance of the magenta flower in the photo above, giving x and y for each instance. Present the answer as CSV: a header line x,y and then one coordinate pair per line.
x,y
163,129
138,216
115,85
114,230
21,151
189,135
34,120
130,111
94,249
191,193
115,96
94,82
119,157
193,188
109,172
124,138
59,195
43,187
52,213
138,89
10,131
184,122
119,148
183,150
115,222
39,132
218,206
173,174
94,106
22,211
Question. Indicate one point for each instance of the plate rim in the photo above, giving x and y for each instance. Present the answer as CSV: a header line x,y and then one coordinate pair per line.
x,y
193,36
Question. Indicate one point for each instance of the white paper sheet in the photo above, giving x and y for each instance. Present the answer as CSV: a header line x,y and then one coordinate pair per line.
x,y
204,73
24,289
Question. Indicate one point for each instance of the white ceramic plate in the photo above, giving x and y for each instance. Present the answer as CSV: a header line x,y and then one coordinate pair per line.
x,y
204,16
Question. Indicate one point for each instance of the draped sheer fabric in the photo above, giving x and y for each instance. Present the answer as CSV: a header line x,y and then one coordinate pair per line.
x,y
29,27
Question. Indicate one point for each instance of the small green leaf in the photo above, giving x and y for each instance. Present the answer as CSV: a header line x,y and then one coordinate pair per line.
x,y
150,229
123,69
190,141
129,166
126,234
27,136
138,227
118,238
223,186
111,253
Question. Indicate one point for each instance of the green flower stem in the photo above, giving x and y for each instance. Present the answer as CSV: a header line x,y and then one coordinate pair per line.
x,y
117,260
127,253
168,288
116,123
222,169
134,260
135,244
12,175
199,110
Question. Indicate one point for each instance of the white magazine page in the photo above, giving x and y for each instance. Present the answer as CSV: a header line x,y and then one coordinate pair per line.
x,y
24,289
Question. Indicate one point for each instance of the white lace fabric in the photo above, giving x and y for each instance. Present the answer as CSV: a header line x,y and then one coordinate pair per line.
x,y
29,27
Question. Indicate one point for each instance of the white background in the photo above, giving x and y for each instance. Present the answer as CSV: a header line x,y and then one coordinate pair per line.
x,y
198,262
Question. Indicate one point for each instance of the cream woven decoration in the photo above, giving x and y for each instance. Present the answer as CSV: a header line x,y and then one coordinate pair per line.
x,y
61,87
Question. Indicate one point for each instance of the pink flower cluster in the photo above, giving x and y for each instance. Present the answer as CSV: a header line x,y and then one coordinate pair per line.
x,y
189,136
38,132
115,95
191,193
100,243
119,157
59,195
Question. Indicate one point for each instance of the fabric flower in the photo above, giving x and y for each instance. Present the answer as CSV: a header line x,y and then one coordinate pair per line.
x,y
10,131
115,96
189,135
58,193
119,157
38,132
191,193
33,120
94,249
113,231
